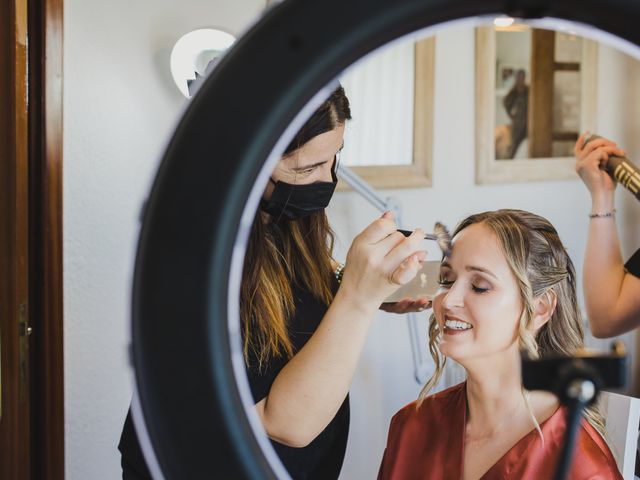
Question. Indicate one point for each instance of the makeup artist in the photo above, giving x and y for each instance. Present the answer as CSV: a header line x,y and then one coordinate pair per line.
x,y
611,287
305,317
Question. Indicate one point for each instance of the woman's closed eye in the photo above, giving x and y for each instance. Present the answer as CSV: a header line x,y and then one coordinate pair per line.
x,y
476,286
478,289
480,285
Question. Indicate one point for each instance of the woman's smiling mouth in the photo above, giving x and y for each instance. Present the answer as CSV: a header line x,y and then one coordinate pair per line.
x,y
456,326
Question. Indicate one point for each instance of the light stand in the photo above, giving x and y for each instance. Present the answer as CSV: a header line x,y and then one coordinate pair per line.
x,y
576,381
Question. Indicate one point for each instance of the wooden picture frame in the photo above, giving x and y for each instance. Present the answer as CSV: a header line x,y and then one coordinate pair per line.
x,y
488,168
419,173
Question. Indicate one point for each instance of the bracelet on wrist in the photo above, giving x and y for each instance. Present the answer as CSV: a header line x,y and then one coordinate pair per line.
x,y
610,213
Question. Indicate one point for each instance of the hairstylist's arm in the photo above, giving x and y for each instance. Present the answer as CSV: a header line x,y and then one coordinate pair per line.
x,y
309,390
611,294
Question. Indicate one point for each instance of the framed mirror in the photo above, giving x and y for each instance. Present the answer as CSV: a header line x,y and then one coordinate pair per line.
x,y
535,95
393,90
190,265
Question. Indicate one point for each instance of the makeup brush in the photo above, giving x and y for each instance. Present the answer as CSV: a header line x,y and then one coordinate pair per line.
x,y
440,235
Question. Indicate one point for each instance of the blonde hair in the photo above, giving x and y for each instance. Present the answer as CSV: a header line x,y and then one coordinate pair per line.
x,y
540,264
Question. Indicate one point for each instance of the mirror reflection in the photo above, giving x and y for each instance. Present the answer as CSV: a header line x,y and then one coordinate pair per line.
x,y
329,364
302,345
537,92
372,363
402,95
497,298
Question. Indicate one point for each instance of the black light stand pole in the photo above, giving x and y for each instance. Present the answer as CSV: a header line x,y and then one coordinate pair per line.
x,y
576,381
579,394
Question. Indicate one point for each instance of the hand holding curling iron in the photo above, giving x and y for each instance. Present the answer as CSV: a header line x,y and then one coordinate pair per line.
x,y
600,163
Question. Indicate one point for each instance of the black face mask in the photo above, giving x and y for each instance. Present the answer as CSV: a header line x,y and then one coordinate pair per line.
x,y
292,201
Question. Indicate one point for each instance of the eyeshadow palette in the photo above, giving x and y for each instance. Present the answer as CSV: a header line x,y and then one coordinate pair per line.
x,y
424,285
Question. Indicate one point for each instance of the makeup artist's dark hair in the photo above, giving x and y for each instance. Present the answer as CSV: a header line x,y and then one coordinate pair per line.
x,y
334,111
285,253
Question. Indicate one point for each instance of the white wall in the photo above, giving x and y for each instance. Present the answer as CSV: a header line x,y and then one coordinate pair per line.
x,y
384,381
120,107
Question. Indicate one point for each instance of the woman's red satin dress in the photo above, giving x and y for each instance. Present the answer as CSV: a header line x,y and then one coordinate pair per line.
x,y
429,444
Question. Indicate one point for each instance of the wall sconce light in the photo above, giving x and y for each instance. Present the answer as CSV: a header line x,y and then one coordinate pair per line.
x,y
192,53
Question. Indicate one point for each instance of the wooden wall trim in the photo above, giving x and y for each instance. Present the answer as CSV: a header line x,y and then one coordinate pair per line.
x,y
46,120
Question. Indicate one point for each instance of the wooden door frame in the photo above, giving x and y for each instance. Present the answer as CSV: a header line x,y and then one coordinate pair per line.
x,y
14,260
45,248
31,431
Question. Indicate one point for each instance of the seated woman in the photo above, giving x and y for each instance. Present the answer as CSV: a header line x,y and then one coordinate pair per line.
x,y
508,285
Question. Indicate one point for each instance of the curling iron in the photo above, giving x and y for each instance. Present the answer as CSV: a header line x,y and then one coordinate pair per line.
x,y
622,170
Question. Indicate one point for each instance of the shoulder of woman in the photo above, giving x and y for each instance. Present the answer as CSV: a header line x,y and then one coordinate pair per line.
x,y
595,453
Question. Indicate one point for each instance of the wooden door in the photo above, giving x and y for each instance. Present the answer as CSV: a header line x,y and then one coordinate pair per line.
x,y
31,362
542,132
14,252
45,239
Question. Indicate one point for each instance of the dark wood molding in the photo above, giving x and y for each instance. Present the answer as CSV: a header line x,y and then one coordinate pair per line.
x,y
46,286
565,136
566,66
541,93
14,253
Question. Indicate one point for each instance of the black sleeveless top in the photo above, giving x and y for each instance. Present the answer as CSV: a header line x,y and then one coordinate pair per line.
x,y
322,458
633,264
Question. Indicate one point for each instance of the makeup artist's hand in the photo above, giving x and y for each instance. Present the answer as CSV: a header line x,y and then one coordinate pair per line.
x,y
379,260
590,162
406,305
